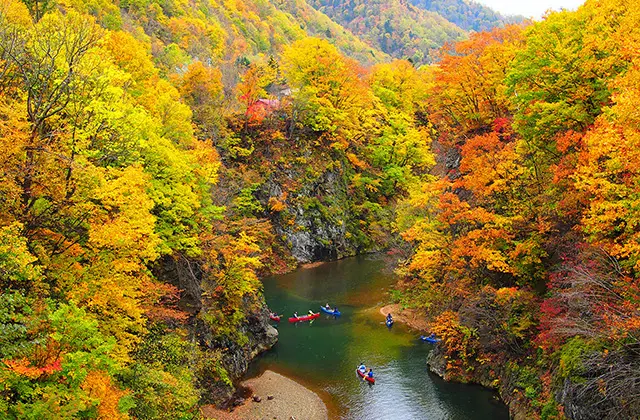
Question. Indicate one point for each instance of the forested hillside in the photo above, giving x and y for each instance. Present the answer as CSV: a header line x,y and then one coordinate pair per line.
x,y
395,27
467,14
214,32
145,187
158,157
525,244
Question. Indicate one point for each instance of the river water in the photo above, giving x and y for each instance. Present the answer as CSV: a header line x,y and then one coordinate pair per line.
x,y
323,354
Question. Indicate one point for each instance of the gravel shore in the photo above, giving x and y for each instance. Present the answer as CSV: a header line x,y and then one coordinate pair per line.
x,y
290,400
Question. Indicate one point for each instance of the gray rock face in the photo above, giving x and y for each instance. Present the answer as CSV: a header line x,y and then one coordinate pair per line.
x,y
321,214
574,407
262,336
187,276
606,387
316,241
436,362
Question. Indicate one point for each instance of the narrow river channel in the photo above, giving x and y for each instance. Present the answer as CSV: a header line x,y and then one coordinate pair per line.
x,y
323,354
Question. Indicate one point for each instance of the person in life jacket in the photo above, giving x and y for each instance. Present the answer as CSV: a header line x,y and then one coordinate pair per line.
x,y
362,368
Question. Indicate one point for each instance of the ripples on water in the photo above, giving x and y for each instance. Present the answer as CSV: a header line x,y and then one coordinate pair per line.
x,y
323,355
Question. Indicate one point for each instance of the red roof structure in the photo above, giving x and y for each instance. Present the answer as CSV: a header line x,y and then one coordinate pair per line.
x,y
262,108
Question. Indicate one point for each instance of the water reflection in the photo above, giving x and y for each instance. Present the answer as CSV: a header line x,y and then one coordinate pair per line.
x,y
323,355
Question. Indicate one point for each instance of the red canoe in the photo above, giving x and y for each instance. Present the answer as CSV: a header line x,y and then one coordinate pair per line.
x,y
304,318
275,318
363,375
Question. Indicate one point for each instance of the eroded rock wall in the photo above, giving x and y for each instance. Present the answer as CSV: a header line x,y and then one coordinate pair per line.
x,y
186,275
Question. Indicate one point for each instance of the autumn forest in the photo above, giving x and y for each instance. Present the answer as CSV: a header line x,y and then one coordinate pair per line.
x,y
158,157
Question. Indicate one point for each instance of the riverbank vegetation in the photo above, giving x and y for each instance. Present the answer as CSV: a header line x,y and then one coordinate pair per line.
x,y
157,157
145,186
525,248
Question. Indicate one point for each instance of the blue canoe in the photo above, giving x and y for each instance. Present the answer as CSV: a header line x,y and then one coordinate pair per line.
x,y
389,322
330,311
430,339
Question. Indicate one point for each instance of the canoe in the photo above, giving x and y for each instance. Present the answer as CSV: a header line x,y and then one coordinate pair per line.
x,y
430,339
275,318
363,375
304,318
330,311
389,322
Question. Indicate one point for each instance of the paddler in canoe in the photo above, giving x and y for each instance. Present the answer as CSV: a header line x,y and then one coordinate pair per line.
x,y
310,317
329,310
362,368
389,320
274,316
364,374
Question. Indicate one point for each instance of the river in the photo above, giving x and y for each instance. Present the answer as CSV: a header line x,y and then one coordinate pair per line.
x,y
323,354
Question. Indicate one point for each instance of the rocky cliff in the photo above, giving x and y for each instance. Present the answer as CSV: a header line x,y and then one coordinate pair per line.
x,y
506,385
217,380
315,224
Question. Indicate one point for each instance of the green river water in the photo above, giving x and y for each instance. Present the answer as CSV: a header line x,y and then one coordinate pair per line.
x,y
323,354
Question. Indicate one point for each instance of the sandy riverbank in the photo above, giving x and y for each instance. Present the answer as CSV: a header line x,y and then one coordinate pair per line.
x,y
290,400
412,317
312,265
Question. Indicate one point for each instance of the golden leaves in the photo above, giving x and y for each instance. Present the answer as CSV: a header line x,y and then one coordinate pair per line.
x,y
127,226
24,368
98,386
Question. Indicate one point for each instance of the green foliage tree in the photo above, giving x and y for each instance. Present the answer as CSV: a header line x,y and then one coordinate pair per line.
x,y
531,229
